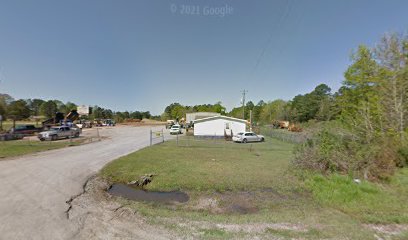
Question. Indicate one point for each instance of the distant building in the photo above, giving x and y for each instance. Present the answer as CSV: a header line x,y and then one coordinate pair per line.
x,y
218,126
191,117
83,110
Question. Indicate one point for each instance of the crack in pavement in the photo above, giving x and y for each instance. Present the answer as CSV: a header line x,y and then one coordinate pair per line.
x,y
69,201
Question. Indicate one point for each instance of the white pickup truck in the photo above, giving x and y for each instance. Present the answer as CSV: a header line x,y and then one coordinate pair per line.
x,y
59,132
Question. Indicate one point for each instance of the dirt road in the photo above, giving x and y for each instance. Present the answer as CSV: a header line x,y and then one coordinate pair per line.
x,y
35,188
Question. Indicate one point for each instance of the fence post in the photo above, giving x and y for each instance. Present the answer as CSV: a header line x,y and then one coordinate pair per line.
x,y
151,137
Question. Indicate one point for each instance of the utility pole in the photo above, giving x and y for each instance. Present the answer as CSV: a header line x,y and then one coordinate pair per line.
x,y
250,120
243,103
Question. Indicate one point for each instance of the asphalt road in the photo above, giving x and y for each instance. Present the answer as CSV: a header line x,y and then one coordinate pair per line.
x,y
35,188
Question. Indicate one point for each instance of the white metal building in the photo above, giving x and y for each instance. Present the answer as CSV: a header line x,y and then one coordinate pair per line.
x,y
218,125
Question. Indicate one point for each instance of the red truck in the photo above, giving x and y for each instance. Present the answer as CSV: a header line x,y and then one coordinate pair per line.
x,y
25,130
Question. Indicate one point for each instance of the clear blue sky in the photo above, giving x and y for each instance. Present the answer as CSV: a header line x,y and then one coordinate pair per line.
x,y
144,55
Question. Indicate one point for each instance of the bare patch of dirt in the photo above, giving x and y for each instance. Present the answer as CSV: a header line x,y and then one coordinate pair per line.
x,y
238,202
387,230
252,228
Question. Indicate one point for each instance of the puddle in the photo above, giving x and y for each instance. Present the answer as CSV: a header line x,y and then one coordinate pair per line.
x,y
128,192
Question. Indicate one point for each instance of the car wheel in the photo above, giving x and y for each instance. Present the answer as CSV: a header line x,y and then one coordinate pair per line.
x,y
244,140
42,139
262,139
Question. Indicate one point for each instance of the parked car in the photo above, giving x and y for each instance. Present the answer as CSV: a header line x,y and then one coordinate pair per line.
x,y
244,137
108,122
25,129
175,129
59,132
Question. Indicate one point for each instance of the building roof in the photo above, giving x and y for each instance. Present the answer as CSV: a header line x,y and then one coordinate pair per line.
x,y
203,113
220,117
192,117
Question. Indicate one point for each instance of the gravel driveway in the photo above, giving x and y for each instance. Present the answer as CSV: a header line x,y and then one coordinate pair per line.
x,y
35,188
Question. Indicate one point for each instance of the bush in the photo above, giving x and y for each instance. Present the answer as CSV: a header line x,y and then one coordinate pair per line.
x,y
403,157
342,152
324,153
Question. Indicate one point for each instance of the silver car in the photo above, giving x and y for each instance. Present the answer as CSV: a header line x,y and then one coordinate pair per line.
x,y
56,133
244,137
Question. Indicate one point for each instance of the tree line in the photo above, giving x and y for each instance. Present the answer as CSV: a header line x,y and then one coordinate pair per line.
x,y
320,104
22,109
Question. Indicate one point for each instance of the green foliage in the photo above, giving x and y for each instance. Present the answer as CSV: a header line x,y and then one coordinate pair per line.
x,y
3,109
325,152
403,154
236,112
366,201
359,99
6,99
48,109
341,151
178,111
18,110
67,107
314,105
35,105
373,104
275,110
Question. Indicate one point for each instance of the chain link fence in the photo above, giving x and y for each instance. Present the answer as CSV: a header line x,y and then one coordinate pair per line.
x,y
285,135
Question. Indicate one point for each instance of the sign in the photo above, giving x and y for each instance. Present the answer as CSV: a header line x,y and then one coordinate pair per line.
x,y
83,110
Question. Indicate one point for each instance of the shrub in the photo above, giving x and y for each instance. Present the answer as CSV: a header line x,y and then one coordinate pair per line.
x,y
403,156
342,152
323,153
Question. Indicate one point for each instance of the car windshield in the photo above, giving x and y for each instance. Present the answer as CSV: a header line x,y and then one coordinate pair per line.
x,y
239,134
54,129
175,127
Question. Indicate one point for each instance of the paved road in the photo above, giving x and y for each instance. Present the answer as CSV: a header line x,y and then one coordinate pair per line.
x,y
35,188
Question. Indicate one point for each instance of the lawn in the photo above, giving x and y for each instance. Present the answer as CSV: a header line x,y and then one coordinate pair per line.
x,y
21,147
9,124
239,186
207,166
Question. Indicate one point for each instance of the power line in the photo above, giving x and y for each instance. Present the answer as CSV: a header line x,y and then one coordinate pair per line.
x,y
285,14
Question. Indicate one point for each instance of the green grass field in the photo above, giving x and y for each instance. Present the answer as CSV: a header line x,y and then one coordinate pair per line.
x,y
205,166
21,147
9,124
247,184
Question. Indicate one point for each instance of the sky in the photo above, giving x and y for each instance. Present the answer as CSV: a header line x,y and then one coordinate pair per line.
x,y
143,55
